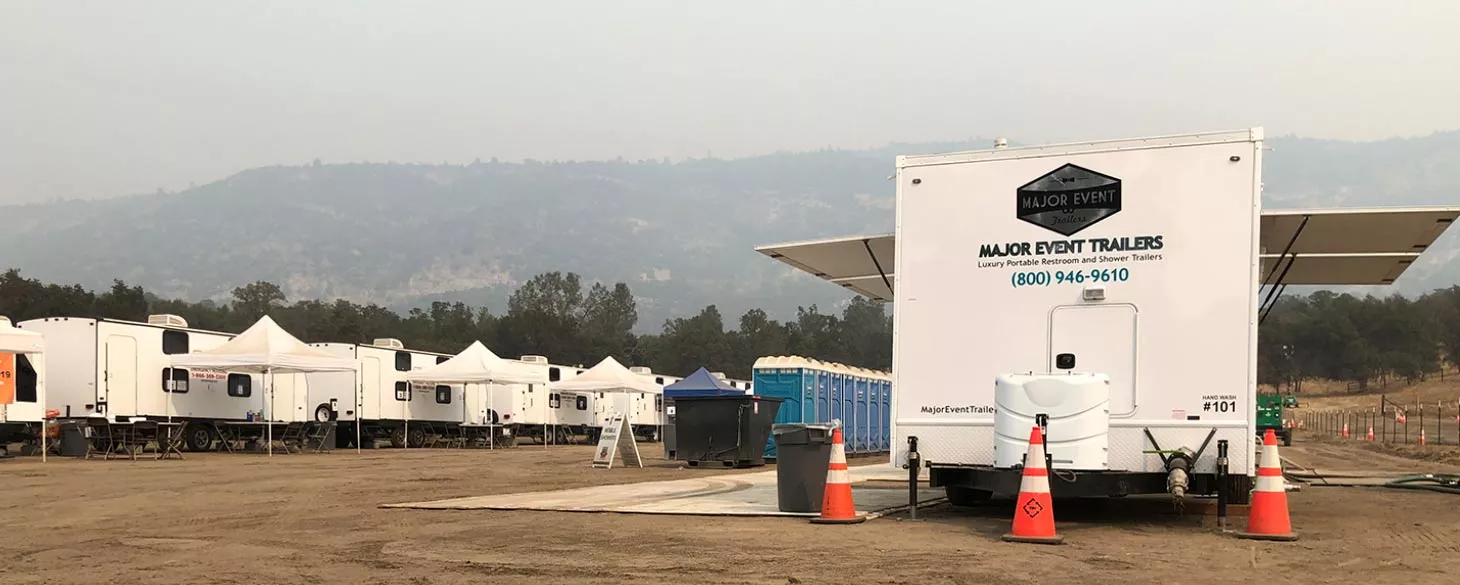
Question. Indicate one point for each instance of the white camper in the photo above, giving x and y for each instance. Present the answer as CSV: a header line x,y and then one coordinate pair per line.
x,y
385,404
1107,292
23,383
122,370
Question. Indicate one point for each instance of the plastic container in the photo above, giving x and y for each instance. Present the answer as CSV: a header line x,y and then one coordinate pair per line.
x,y
803,452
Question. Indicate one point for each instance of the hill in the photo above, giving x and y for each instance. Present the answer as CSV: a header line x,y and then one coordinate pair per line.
x,y
681,234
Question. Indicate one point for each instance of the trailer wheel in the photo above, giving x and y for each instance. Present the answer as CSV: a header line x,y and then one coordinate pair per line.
x,y
398,437
198,439
966,497
417,438
324,413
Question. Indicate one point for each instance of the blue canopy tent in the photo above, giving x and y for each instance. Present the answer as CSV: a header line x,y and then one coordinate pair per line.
x,y
700,383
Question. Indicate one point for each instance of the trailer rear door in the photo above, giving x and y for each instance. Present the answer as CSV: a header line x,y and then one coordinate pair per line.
x,y
1103,340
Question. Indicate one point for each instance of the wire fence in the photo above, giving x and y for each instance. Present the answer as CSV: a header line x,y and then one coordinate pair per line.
x,y
1433,423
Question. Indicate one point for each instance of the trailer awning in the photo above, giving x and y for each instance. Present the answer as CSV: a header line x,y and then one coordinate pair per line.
x,y
1334,269
1354,231
863,264
1371,246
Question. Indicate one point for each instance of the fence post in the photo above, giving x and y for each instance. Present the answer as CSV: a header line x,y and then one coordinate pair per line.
x,y
1383,424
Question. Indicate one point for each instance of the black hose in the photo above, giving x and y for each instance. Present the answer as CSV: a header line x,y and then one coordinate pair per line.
x,y
1445,483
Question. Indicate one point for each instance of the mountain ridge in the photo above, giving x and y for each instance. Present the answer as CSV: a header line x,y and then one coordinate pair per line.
x,y
680,234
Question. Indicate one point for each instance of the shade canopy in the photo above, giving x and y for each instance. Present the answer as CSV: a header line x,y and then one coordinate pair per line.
x,y
16,340
265,347
862,264
1370,246
609,376
476,363
701,383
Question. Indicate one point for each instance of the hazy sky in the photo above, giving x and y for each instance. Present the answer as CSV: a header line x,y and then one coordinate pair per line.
x,y
108,98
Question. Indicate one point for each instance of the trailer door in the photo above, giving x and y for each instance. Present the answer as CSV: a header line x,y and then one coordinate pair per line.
x,y
370,395
1103,340
119,392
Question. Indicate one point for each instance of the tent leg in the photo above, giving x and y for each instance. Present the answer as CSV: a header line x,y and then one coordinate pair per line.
x,y
269,420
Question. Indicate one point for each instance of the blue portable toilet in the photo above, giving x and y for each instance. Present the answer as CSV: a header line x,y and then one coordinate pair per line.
x,y
803,385
885,390
869,397
875,416
822,380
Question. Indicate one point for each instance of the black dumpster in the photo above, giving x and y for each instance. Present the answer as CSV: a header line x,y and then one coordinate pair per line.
x,y
723,431
802,453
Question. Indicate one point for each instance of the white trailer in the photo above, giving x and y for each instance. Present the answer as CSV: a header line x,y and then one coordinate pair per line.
x,y
121,370
1108,290
22,377
385,405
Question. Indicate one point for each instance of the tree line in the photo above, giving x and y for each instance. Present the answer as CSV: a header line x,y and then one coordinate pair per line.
x,y
554,314
1360,340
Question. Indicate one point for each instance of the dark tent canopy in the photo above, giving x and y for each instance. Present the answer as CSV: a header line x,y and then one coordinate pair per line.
x,y
701,383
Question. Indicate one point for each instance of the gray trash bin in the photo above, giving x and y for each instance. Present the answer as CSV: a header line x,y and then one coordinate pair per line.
x,y
73,439
802,453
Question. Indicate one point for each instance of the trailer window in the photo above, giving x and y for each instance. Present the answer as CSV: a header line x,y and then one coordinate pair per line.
x,y
240,385
443,395
582,403
174,342
554,400
442,358
175,380
25,379
402,391
554,374
659,380
402,361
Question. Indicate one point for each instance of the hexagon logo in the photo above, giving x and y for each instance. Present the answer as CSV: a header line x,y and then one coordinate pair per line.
x,y
1068,199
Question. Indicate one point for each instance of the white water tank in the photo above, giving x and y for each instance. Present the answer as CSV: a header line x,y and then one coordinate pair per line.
x,y
1078,407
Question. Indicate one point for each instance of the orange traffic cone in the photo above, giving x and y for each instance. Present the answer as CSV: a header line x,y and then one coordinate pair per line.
x,y
1268,517
836,501
1421,437
1034,513
1370,435
1345,429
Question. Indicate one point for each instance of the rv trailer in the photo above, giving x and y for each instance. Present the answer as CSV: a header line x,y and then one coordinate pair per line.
x,y
1105,292
527,410
122,370
22,373
385,405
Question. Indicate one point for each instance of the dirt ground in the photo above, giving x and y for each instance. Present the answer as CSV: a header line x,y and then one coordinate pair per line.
x,y
243,519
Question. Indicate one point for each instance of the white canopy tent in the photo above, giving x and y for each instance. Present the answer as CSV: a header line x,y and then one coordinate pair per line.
x,y
33,345
266,348
609,376
478,365
612,377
